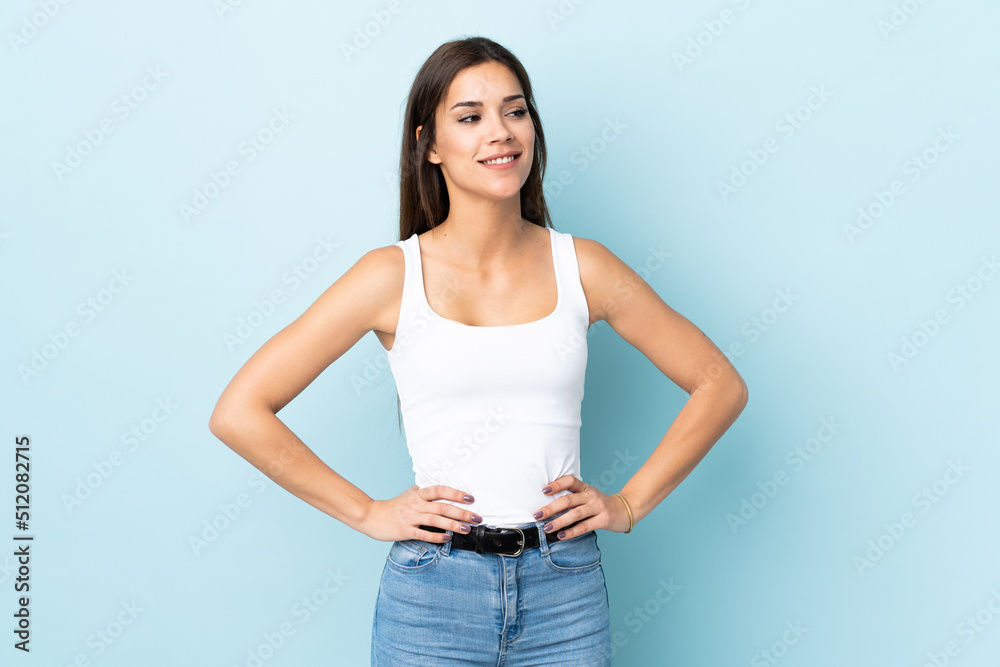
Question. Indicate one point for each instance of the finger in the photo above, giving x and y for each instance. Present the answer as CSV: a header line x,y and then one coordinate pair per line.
x,y
446,523
561,484
453,518
450,518
576,530
442,492
429,535
558,505
568,482
570,517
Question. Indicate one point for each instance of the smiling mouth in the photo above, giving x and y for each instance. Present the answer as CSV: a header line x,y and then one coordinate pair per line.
x,y
502,160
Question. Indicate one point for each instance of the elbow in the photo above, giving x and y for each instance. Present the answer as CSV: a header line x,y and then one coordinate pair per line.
x,y
742,394
222,420
726,387
728,391
217,423
230,417
737,394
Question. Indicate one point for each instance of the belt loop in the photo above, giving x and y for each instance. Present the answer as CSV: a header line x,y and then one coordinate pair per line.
x,y
543,545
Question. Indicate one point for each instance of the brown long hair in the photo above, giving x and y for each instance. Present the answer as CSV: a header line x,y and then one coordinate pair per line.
x,y
423,193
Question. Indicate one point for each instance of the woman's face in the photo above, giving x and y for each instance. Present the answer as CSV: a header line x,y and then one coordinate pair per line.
x,y
483,114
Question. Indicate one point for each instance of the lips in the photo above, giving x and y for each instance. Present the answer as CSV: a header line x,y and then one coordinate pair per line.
x,y
501,155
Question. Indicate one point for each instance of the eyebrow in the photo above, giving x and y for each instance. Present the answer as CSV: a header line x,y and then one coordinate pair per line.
x,y
509,98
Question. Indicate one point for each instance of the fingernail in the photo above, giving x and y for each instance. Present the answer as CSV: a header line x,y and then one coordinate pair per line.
x,y
468,498
547,489
538,514
547,528
465,528
561,535
447,537
477,518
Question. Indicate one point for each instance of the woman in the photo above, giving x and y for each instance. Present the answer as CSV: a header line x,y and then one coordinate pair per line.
x,y
484,309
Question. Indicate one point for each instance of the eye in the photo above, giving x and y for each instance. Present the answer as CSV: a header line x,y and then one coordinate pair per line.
x,y
518,113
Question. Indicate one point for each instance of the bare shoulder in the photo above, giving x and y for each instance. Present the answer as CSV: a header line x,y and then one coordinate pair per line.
x,y
604,276
356,303
617,294
379,277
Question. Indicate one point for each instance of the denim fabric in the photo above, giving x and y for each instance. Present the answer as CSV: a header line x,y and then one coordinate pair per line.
x,y
442,606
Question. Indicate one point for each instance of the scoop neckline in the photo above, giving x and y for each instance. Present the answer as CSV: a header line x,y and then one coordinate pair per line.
x,y
555,270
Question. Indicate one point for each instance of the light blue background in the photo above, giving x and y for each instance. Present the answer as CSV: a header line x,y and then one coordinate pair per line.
x,y
329,174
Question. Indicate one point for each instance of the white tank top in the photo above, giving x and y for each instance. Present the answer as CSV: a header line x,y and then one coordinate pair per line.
x,y
493,410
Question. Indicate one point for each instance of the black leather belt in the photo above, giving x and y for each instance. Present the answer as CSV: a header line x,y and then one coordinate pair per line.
x,y
501,541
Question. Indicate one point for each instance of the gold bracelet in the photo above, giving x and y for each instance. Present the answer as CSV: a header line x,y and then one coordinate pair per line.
x,y
630,524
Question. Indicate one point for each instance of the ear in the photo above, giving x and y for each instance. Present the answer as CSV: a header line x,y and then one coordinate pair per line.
x,y
431,156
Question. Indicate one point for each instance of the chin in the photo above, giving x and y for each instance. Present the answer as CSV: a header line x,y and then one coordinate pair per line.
x,y
504,195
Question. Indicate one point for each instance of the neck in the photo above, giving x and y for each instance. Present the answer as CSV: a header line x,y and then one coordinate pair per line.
x,y
479,237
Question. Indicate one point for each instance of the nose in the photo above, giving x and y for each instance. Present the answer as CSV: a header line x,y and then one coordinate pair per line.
x,y
498,131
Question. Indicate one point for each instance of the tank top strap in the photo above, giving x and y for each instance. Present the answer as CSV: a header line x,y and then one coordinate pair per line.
x,y
568,270
411,300
409,261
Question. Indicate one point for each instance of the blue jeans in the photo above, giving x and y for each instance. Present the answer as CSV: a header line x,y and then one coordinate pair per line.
x,y
442,606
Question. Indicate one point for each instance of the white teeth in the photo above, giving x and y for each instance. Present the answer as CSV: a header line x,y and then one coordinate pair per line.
x,y
502,160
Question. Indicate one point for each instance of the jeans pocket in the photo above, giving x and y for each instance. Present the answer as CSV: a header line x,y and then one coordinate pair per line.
x,y
580,554
413,556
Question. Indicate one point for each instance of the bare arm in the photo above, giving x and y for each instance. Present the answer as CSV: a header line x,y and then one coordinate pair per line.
x,y
681,352
618,295
245,417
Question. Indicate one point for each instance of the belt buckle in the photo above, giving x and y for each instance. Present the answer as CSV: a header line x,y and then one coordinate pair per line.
x,y
520,549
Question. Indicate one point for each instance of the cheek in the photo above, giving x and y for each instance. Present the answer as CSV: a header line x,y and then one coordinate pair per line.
x,y
452,140
528,156
528,141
